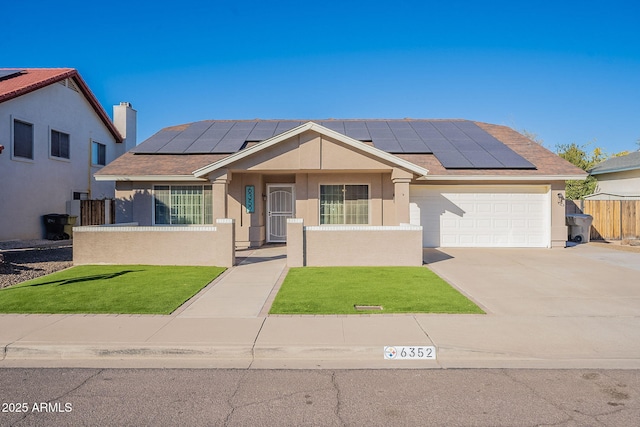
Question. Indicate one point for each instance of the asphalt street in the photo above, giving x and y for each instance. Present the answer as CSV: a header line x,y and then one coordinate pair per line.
x,y
223,397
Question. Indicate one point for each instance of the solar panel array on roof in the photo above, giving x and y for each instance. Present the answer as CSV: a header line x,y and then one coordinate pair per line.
x,y
457,144
6,74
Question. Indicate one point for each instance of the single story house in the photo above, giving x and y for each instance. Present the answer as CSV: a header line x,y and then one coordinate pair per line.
x,y
618,178
338,192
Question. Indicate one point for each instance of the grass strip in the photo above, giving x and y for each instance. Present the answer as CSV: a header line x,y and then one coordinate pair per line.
x,y
336,290
113,289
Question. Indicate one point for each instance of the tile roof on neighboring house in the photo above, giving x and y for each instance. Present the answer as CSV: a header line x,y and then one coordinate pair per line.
x,y
15,82
180,150
618,164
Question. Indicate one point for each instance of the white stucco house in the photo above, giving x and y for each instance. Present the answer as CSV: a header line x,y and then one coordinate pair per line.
x,y
54,135
618,178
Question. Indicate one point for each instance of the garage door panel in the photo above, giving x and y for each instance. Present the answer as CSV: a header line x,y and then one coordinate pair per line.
x,y
481,216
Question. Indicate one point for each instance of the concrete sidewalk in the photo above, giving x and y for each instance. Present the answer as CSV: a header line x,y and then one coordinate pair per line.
x,y
244,289
226,325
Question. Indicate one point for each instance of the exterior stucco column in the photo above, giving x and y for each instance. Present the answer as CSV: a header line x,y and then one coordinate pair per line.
x,y
401,180
295,242
226,249
220,194
559,231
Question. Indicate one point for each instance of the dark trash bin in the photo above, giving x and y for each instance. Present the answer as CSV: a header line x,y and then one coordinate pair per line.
x,y
54,226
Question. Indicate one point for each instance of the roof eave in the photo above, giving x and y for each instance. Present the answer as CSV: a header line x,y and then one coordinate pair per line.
x,y
149,178
625,169
503,178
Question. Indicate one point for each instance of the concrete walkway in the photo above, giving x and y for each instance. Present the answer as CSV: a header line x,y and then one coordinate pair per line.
x,y
244,290
561,308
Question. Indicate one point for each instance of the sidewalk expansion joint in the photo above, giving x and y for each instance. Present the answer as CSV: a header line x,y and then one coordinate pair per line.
x,y
255,340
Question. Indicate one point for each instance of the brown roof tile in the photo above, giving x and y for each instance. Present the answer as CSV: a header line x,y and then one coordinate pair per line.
x,y
158,164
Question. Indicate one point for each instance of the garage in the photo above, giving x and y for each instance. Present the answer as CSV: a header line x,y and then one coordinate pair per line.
x,y
482,216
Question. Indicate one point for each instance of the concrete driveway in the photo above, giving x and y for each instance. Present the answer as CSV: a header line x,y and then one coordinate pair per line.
x,y
584,280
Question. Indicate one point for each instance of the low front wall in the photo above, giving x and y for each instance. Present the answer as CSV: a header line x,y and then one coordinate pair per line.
x,y
353,245
159,245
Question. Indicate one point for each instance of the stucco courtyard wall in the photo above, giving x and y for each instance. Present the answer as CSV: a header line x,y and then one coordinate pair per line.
x,y
160,245
345,245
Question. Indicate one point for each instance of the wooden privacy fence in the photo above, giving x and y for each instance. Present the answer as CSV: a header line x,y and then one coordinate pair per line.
x,y
612,219
97,212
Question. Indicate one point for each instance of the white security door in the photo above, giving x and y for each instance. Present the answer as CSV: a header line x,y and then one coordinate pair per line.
x,y
280,206
482,216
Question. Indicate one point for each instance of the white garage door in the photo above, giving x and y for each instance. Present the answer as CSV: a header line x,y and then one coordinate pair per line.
x,y
482,216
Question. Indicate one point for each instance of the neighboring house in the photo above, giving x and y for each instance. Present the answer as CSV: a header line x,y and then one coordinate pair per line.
x,y
618,178
459,183
56,135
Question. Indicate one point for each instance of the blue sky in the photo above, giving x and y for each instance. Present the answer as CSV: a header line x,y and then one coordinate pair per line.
x,y
568,71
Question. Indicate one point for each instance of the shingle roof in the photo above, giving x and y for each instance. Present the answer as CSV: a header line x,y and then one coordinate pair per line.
x,y
32,79
546,163
618,164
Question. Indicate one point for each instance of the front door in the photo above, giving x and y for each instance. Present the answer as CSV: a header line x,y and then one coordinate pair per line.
x,y
280,206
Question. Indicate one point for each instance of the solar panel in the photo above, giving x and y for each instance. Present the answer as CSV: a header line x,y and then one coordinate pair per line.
x,y
450,131
6,74
357,130
263,130
453,159
286,125
186,138
337,125
455,143
207,142
156,142
503,154
407,137
235,138
382,137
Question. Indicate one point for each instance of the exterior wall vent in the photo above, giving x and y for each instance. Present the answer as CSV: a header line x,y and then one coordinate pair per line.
x,y
72,85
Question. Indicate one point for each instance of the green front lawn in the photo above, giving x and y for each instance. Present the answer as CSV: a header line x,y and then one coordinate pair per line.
x,y
336,290
130,289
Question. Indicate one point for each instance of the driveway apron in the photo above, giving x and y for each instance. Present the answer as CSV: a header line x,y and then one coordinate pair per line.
x,y
243,291
578,281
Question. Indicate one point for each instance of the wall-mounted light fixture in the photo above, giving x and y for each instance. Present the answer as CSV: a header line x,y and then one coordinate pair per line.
x,y
560,199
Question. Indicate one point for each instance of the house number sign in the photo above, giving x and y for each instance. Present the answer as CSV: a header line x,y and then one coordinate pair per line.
x,y
250,198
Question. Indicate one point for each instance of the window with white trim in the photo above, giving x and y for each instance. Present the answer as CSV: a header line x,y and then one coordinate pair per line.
x,y
344,204
22,139
60,144
183,204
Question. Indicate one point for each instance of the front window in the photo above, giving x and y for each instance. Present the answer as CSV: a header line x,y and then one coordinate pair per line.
x,y
59,144
344,204
183,204
22,139
98,154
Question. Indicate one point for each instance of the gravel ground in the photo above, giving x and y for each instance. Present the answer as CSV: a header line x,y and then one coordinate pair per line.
x,y
26,260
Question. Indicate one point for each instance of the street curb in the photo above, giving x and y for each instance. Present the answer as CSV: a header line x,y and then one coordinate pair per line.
x,y
22,351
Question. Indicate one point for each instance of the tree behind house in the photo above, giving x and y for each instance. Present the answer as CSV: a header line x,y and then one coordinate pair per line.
x,y
585,160
579,156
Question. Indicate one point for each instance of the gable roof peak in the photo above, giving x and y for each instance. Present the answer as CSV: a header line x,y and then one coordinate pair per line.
x,y
310,125
31,79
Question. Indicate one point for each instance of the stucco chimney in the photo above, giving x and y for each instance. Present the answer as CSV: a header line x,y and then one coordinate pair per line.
x,y
124,118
